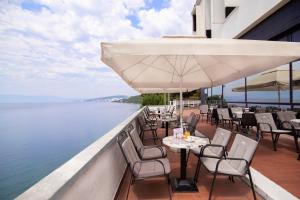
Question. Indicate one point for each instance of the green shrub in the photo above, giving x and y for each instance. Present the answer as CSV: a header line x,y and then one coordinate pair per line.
x,y
152,99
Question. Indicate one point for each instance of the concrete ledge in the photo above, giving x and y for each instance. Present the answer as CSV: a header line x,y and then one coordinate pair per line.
x,y
60,180
268,189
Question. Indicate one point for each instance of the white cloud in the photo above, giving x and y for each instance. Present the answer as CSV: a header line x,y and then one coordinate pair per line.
x,y
59,44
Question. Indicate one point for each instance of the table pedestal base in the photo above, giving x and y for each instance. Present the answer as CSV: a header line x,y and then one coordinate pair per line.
x,y
183,185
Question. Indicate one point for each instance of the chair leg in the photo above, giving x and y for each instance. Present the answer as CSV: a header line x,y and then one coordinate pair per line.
x,y
197,170
251,183
168,182
296,143
273,141
277,138
212,186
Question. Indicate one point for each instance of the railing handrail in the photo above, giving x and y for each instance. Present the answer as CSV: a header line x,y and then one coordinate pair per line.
x,y
54,184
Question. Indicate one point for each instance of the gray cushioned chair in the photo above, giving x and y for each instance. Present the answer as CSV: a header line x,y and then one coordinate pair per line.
x,y
145,152
204,111
216,147
266,124
237,163
142,169
147,126
285,118
224,116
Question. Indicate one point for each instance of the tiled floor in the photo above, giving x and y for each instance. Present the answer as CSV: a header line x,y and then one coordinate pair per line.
x,y
282,167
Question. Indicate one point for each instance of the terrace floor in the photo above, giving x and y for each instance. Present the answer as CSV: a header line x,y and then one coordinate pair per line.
x,y
281,166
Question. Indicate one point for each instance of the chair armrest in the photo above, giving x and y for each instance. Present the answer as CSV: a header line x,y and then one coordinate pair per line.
x,y
214,146
229,158
270,127
158,147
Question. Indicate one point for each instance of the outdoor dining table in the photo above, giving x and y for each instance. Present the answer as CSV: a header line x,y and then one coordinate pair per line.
x,y
167,120
184,184
295,121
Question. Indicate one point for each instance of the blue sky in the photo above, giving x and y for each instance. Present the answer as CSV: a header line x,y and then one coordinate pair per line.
x,y
52,47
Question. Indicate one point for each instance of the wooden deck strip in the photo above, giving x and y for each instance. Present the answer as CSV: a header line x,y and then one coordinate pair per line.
x,y
281,166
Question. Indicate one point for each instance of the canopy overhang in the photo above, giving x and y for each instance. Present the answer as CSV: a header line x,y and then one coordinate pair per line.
x,y
193,62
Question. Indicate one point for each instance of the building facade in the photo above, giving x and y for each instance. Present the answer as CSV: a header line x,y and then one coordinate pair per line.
x,y
277,20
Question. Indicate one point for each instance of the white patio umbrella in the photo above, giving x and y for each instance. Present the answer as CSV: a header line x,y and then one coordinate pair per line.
x,y
189,62
272,80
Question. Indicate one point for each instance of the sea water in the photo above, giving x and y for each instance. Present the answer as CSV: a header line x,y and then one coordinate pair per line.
x,y
35,139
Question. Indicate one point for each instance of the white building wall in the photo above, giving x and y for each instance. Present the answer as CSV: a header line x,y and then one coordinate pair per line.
x,y
246,15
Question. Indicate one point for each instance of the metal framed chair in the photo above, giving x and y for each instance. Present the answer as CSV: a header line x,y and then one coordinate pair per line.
x,y
236,164
191,127
224,116
266,124
147,126
216,147
285,118
204,111
142,169
248,120
145,152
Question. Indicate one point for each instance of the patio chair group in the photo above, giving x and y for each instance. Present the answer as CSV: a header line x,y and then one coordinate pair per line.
x,y
150,161
276,123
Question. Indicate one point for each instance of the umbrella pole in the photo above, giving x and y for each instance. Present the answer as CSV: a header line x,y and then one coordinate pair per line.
x,y
181,103
279,97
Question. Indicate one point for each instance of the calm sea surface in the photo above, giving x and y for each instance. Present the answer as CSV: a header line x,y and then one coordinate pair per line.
x,y
35,139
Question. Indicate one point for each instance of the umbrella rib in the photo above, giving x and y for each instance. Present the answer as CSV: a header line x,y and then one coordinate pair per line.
x,y
139,73
192,71
185,64
138,62
204,72
174,69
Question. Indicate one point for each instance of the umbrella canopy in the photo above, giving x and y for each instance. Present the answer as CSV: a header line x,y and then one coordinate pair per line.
x,y
271,80
194,62
189,62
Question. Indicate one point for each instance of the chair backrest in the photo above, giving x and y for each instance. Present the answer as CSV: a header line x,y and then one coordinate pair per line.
x,y
223,112
128,149
204,109
132,132
242,147
265,118
248,119
221,137
190,117
287,116
193,123
236,109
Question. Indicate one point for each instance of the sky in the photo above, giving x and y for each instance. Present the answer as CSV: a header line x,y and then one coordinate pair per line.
x,y
52,47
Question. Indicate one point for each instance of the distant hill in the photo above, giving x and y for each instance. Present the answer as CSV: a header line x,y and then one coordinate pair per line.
x,y
134,99
33,99
116,98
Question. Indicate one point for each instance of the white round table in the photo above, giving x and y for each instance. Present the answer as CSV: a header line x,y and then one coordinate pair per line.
x,y
184,184
295,121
